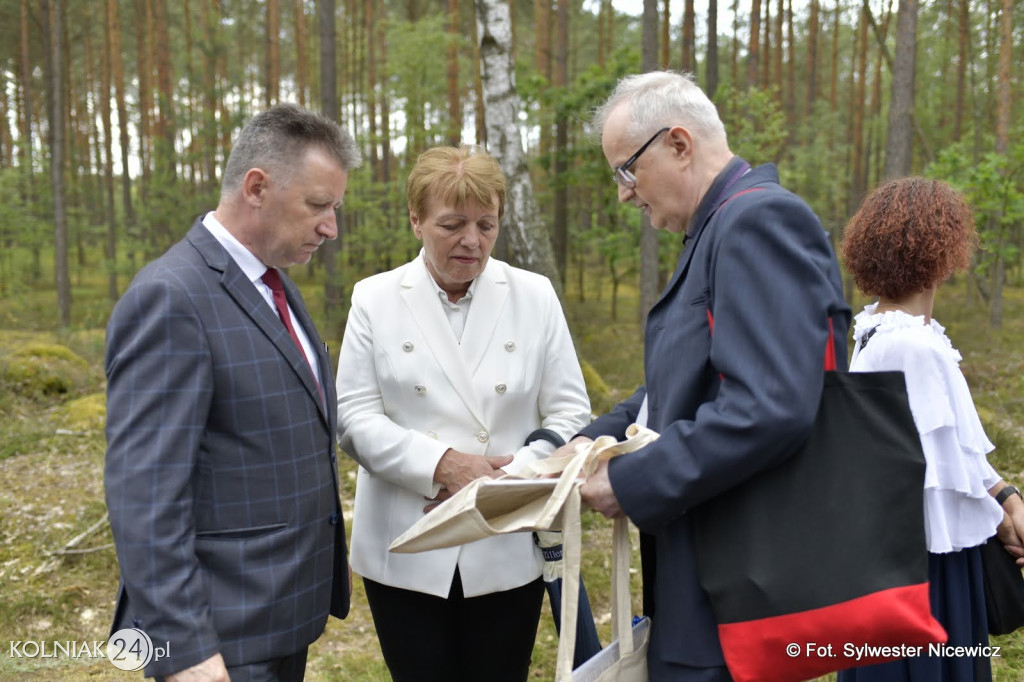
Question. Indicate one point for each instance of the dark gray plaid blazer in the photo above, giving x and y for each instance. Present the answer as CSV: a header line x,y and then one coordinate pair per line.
x,y
221,476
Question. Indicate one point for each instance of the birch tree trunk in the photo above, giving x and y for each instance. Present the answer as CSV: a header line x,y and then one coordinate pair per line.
x,y
529,244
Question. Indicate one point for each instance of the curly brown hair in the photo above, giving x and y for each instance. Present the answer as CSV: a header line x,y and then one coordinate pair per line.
x,y
908,235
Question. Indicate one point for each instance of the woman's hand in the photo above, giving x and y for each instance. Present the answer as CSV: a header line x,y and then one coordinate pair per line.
x,y
1011,530
457,469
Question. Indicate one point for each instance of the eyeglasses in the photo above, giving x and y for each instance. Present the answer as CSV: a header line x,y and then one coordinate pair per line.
x,y
622,175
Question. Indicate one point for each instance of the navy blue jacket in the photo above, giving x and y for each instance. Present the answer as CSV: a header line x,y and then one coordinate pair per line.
x,y
730,403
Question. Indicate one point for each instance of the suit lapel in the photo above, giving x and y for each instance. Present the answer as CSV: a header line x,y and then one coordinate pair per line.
x,y
245,295
489,296
420,296
730,181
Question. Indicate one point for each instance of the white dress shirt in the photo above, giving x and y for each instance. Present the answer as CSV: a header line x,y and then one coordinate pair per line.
x,y
254,269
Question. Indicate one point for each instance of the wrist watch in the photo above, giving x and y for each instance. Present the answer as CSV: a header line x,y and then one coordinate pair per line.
x,y
1005,493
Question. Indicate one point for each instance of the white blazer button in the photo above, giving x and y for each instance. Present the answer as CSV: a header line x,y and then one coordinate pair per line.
x,y
501,388
407,346
482,436
510,346
432,434
421,389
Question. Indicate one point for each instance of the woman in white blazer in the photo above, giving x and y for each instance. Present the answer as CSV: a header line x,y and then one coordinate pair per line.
x,y
447,364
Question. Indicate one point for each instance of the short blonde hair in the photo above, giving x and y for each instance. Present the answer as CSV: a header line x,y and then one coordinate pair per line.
x,y
455,176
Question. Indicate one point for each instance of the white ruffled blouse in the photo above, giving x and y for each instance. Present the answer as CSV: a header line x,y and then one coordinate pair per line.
x,y
958,510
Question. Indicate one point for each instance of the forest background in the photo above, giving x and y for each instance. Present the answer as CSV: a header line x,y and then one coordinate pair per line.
x,y
116,117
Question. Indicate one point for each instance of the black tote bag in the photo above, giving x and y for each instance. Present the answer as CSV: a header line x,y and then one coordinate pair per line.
x,y
1004,589
820,563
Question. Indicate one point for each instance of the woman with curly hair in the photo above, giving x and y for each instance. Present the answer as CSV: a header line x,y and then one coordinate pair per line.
x,y
907,238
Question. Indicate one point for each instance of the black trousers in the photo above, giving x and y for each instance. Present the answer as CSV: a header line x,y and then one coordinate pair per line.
x,y
430,639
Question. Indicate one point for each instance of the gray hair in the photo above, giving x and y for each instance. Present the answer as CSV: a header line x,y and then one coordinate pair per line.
x,y
277,139
662,98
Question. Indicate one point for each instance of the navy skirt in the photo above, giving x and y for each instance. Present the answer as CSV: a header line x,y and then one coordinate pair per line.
x,y
957,595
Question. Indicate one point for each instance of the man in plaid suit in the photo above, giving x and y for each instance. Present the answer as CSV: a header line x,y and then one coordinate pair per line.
x,y
221,477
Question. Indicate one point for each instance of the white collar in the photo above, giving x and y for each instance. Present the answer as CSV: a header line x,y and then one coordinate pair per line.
x,y
441,293
252,266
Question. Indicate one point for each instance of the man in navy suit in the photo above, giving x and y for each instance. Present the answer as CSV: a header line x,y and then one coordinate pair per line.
x,y
734,348
221,477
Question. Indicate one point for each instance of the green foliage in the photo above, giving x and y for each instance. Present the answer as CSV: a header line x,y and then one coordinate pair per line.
x,y
994,187
755,122
416,62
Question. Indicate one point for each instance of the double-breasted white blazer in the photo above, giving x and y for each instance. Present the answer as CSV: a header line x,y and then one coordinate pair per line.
x,y
408,391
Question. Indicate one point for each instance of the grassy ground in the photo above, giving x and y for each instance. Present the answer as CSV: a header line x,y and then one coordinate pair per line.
x,y
51,455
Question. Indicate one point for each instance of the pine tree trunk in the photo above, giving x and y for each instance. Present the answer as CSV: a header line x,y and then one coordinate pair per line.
x,y
301,77
560,228
542,59
665,41
778,54
689,55
334,290
273,56
60,218
833,95
813,22
711,66
211,66
25,143
529,244
1004,103
790,87
371,78
143,46
857,183
765,59
454,106
734,66
108,150
754,46
964,38
648,235
899,145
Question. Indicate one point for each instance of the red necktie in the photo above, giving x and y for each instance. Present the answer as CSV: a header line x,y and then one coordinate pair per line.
x,y
272,278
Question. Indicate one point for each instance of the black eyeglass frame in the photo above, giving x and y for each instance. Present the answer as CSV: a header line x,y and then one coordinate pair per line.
x,y
622,175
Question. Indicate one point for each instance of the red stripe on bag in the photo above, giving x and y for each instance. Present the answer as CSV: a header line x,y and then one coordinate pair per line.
x,y
755,652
